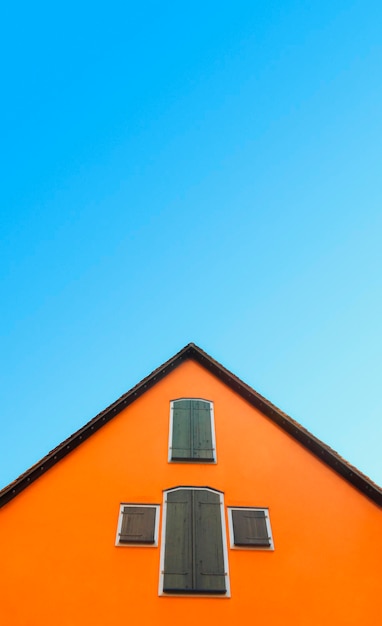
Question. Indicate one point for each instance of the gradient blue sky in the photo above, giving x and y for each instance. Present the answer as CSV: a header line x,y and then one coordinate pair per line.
x,y
176,172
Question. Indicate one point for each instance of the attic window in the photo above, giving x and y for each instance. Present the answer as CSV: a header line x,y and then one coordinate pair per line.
x,y
138,525
250,528
192,437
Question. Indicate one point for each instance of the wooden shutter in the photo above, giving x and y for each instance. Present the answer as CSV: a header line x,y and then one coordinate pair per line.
x,y
178,542
209,574
181,430
201,430
194,561
191,431
138,524
250,527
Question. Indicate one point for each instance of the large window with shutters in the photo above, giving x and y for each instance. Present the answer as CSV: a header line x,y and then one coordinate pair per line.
x,y
138,525
192,433
194,557
250,528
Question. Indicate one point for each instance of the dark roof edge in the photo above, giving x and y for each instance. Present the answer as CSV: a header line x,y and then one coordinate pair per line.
x,y
191,351
324,452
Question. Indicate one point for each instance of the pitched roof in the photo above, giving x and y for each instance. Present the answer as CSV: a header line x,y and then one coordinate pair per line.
x,y
193,352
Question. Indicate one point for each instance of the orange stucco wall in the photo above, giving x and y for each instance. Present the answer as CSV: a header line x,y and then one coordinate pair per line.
x,y
59,562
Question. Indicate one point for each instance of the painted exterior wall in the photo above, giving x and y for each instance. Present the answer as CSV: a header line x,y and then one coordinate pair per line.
x,y
57,538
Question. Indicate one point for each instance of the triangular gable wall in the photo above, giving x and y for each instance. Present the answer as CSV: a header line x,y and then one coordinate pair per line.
x,y
193,352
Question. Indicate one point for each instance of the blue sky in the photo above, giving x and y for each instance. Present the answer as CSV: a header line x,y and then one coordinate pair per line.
x,y
206,172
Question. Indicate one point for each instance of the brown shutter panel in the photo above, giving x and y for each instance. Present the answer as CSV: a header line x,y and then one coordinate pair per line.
x,y
178,575
138,524
250,527
209,571
201,430
181,430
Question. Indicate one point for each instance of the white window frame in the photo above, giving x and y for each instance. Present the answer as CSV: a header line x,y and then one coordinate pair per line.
x,y
193,461
119,526
227,594
233,546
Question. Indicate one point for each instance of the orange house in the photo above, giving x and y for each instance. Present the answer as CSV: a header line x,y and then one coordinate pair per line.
x,y
191,500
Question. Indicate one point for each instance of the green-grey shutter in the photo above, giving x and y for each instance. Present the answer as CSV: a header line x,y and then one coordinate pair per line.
x,y
191,431
178,542
181,430
138,524
209,574
194,561
201,430
250,528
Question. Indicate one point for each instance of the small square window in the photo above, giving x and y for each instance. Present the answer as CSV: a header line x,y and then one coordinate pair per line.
x,y
250,528
138,525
